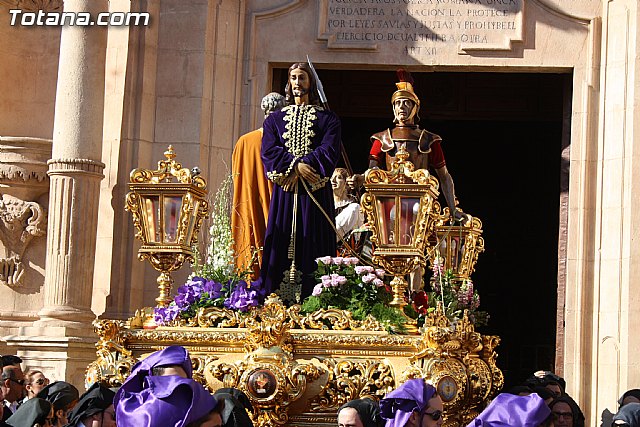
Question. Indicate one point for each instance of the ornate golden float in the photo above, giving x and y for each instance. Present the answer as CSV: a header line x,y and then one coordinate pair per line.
x,y
298,369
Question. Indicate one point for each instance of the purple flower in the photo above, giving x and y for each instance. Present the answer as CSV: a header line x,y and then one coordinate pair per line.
x,y
162,315
378,282
337,260
317,290
380,272
353,260
213,288
242,297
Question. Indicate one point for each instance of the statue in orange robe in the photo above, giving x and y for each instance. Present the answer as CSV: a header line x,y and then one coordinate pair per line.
x,y
251,194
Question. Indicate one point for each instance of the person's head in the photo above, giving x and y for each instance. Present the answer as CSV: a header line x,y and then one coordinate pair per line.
x,y
509,409
235,407
546,394
404,100
34,382
520,390
271,102
164,370
63,396
301,85
339,182
566,412
360,413
175,400
94,408
548,379
12,378
628,415
212,419
630,396
170,357
414,404
34,411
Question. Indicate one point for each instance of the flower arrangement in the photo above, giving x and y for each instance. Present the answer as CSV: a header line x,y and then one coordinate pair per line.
x,y
360,289
456,296
216,283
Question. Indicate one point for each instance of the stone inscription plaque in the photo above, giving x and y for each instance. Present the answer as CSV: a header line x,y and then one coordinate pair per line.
x,y
421,28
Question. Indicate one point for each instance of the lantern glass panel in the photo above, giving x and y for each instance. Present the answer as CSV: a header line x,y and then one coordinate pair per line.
x,y
172,205
410,207
192,219
152,218
386,207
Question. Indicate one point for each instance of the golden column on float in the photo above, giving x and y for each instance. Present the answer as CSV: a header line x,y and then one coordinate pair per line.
x,y
168,206
400,206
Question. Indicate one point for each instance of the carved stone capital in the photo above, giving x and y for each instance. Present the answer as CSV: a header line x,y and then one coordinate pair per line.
x,y
23,166
20,222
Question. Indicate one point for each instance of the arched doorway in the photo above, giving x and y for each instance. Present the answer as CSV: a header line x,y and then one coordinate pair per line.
x,y
503,138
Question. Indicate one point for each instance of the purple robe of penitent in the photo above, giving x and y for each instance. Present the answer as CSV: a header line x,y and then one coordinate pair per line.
x,y
311,135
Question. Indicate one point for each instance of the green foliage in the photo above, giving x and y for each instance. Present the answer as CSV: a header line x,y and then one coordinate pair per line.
x,y
345,285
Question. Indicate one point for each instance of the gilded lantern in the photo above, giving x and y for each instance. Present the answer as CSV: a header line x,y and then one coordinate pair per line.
x,y
168,206
456,246
400,206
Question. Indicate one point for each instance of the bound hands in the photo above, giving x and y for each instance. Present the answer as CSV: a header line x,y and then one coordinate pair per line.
x,y
303,170
308,173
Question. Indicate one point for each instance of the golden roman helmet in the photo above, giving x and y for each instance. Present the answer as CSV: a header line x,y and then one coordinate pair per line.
x,y
405,90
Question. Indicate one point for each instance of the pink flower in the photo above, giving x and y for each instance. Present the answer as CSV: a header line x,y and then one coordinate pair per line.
x,y
364,269
317,290
353,260
326,260
338,260
326,280
380,272
368,278
378,282
337,280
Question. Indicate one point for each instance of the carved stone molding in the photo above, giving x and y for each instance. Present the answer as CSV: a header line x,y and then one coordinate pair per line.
x,y
75,166
20,222
35,5
23,166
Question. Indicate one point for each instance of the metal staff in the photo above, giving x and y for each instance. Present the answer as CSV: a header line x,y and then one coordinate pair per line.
x,y
325,104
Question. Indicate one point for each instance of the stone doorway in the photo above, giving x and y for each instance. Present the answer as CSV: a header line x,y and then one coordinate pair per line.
x,y
503,137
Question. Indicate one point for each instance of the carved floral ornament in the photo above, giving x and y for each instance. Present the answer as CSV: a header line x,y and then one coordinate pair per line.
x,y
35,5
320,369
20,222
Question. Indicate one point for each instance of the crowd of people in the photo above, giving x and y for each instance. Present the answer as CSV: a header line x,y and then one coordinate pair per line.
x,y
161,391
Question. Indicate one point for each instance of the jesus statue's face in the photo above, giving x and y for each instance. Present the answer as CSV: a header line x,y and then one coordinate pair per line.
x,y
300,83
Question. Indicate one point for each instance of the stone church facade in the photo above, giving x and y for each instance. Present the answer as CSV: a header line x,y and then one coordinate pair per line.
x,y
82,106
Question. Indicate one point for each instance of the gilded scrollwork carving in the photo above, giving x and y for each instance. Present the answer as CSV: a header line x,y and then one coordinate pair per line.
x,y
273,364
335,319
455,360
353,379
114,361
20,222
268,374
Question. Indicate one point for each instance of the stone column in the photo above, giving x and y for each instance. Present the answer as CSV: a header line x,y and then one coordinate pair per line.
x,y
75,171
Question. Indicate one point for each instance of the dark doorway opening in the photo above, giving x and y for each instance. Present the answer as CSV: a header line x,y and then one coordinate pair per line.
x,y
502,137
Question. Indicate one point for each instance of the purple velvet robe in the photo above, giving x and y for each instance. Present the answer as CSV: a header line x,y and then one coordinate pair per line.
x,y
314,237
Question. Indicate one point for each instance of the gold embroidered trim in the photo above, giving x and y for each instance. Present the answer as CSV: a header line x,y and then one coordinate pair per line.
x,y
297,137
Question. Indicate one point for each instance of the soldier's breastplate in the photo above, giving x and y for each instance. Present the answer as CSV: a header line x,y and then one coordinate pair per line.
x,y
419,160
